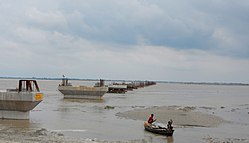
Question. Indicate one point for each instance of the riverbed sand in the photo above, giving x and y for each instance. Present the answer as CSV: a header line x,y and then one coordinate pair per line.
x,y
15,135
181,116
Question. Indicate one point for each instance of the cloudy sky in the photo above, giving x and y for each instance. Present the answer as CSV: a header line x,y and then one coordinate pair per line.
x,y
194,40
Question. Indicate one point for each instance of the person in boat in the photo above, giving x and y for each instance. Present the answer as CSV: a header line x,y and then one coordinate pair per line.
x,y
169,125
151,119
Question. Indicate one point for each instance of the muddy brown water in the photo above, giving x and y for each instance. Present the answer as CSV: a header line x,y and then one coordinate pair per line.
x,y
90,119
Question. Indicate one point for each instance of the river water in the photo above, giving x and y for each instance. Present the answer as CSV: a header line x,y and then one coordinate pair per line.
x,y
89,119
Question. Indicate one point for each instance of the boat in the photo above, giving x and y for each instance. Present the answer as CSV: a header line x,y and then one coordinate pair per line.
x,y
16,103
157,129
117,88
82,92
124,86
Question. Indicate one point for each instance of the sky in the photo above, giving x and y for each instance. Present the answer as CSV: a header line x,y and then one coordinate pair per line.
x,y
194,40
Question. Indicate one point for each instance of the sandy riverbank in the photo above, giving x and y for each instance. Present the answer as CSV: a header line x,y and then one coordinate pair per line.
x,y
18,135
181,116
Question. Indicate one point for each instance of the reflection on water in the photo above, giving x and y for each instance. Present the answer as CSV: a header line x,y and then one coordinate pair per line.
x,y
170,139
23,124
84,100
90,118
155,138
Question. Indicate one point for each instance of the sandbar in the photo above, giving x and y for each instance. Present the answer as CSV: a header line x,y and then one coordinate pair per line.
x,y
181,116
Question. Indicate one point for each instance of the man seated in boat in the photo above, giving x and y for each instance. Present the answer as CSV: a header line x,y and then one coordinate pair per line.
x,y
151,120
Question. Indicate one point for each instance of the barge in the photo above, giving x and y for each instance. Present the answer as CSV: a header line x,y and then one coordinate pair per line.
x,y
17,103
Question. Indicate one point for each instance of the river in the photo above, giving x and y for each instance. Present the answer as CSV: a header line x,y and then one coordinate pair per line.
x,y
90,119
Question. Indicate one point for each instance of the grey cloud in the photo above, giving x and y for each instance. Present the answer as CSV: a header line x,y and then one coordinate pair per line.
x,y
178,24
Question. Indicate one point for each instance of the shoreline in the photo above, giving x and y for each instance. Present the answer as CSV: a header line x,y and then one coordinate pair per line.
x,y
183,117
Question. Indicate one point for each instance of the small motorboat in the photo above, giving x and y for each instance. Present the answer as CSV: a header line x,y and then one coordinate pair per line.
x,y
158,129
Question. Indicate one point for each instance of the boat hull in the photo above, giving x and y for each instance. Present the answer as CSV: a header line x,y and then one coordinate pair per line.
x,y
116,88
19,101
82,92
161,131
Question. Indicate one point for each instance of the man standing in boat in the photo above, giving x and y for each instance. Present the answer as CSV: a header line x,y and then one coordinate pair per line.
x,y
169,125
151,120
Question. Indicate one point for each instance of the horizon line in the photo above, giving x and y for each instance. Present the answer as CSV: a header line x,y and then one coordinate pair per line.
x,y
128,80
